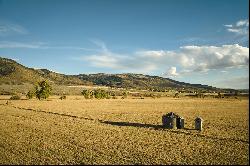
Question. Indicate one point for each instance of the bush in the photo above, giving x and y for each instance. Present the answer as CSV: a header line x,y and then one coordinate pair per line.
x,y
124,95
15,97
88,94
176,95
97,93
43,90
101,94
30,94
63,97
220,95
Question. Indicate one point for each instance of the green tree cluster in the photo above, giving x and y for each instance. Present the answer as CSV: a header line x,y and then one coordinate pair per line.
x,y
97,93
101,94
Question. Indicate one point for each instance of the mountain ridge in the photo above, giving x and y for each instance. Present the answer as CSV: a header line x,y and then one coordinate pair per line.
x,y
12,72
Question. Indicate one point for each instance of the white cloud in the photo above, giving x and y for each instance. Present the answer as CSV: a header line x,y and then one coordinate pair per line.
x,y
234,30
239,31
152,53
229,25
120,62
7,44
219,55
211,57
40,45
7,28
108,61
100,44
69,48
241,27
188,59
172,72
242,23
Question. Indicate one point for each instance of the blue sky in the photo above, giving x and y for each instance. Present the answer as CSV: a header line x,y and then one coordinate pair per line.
x,y
195,41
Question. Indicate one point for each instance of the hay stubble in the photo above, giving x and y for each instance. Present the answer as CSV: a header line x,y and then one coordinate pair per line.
x,y
122,132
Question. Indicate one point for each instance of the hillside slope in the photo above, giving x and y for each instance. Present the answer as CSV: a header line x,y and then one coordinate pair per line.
x,y
12,72
140,81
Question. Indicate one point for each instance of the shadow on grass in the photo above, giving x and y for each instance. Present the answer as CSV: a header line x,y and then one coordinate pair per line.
x,y
12,100
156,127
185,131
143,125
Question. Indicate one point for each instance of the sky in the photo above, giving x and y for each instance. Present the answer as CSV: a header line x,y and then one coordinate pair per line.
x,y
193,41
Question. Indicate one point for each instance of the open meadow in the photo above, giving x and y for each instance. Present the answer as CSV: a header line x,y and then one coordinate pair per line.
x,y
122,131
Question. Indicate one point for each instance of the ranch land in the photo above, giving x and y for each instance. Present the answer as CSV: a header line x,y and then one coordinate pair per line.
x,y
122,131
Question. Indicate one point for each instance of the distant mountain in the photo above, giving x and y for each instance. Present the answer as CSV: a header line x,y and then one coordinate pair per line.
x,y
12,72
140,81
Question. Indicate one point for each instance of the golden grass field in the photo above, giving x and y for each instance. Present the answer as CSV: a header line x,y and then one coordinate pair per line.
x,y
122,131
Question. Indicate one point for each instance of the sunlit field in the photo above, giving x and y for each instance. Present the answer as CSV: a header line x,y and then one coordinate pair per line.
x,y
122,131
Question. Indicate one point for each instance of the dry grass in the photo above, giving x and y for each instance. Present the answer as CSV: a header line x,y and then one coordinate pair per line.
x,y
116,131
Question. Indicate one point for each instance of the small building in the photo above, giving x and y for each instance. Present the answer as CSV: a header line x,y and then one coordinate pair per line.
x,y
180,122
169,120
198,123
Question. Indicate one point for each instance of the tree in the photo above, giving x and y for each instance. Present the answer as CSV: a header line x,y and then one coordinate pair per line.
x,y
43,90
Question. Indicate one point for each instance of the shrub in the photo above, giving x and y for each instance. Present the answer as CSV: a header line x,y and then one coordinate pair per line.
x,y
200,95
88,94
101,94
15,97
63,97
97,93
125,95
43,90
220,95
30,94
176,95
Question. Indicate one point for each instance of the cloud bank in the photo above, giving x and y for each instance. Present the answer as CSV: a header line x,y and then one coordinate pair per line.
x,y
186,59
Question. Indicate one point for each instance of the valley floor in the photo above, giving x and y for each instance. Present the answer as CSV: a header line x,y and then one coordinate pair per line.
x,y
122,131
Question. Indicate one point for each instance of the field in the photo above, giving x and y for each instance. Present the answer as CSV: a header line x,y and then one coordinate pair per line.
x,y
122,131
